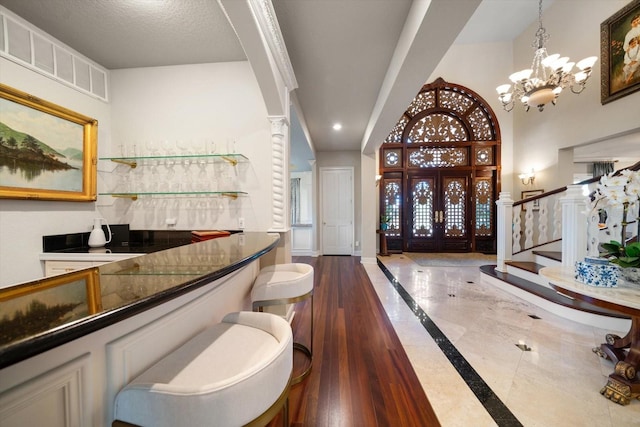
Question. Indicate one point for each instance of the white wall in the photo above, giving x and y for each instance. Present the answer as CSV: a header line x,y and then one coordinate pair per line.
x,y
197,104
194,102
23,223
574,28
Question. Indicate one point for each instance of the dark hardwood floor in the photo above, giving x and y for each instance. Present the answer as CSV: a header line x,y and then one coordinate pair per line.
x,y
361,375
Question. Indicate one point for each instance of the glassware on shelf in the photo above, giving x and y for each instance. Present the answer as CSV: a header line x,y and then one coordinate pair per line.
x,y
151,147
152,172
185,147
168,148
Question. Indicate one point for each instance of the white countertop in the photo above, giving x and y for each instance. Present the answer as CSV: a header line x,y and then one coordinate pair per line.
x,y
99,255
564,277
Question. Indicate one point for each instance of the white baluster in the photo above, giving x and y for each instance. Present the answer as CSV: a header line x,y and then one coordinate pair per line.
x,y
517,228
543,221
528,225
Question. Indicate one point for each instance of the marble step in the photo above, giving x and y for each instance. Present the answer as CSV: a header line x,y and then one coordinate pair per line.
x,y
527,270
553,255
547,293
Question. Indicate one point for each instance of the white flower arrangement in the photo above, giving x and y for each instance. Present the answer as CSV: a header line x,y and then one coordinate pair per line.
x,y
621,190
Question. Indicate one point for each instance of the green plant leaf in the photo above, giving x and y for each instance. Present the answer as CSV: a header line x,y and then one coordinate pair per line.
x,y
627,261
633,249
612,248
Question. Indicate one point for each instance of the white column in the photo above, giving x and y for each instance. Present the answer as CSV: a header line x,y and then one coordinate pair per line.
x,y
280,174
504,230
574,226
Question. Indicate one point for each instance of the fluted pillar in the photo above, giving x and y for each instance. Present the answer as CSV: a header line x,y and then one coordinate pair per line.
x,y
279,173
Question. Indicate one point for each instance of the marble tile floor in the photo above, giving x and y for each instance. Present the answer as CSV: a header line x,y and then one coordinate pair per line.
x,y
525,365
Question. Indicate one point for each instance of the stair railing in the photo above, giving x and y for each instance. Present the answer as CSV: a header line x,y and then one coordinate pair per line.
x,y
558,215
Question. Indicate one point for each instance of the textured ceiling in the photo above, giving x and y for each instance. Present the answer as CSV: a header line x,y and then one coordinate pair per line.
x,y
136,33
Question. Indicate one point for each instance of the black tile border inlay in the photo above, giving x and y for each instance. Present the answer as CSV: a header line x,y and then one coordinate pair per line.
x,y
494,406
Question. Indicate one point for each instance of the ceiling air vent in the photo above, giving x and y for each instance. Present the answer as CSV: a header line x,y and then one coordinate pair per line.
x,y
24,44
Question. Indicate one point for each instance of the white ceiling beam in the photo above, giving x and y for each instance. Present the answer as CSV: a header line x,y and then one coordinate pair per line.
x,y
257,29
425,39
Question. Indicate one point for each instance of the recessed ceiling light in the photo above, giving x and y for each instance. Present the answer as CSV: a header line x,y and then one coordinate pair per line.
x,y
337,126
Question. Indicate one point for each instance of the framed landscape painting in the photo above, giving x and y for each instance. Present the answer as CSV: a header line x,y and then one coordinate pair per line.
x,y
620,53
46,151
32,308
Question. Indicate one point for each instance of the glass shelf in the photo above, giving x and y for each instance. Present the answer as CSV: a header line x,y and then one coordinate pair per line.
x,y
231,158
135,195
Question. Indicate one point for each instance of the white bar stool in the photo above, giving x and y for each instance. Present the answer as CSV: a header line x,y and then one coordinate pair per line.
x,y
282,284
235,373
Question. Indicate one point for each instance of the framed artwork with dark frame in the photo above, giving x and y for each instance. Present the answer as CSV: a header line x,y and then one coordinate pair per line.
x,y
46,151
620,53
531,193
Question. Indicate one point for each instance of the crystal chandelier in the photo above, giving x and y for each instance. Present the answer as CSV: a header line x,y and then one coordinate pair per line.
x,y
548,75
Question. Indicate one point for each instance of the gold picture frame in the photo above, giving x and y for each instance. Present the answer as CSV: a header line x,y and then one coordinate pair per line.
x,y
620,53
48,303
47,152
528,194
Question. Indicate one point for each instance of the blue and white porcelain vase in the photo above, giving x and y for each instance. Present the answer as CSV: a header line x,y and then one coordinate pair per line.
x,y
598,272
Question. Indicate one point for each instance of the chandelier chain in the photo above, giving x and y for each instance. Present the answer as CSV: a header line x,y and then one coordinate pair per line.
x,y
541,34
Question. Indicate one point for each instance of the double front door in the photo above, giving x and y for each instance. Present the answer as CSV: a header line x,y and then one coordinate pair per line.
x,y
438,211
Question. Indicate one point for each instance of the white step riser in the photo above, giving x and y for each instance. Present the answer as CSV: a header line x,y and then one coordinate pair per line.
x,y
594,320
527,275
547,262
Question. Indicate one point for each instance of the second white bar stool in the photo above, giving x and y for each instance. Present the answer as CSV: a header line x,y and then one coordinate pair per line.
x,y
283,284
234,373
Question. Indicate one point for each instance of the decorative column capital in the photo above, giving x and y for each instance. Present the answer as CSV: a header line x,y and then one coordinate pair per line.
x,y
279,126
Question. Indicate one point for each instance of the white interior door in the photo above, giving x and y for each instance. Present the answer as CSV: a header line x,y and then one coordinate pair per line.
x,y
337,211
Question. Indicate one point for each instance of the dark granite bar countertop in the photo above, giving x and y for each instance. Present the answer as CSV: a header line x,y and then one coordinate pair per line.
x,y
40,315
123,240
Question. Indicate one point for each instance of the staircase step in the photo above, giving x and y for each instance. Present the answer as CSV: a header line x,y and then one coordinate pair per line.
x,y
548,293
531,267
556,256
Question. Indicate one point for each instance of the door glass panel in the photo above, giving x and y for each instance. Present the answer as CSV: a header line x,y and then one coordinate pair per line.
x,y
393,158
484,203
422,101
481,124
455,101
484,155
438,157
393,205
422,193
437,127
396,133
454,207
